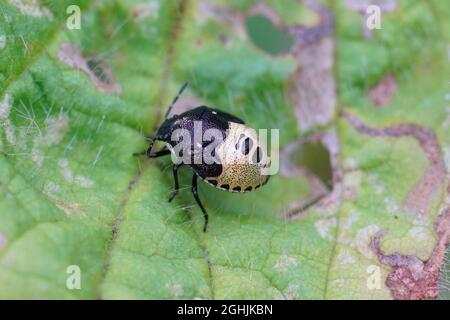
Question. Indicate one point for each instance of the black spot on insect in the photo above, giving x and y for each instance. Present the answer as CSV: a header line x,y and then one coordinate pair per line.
x,y
216,174
207,143
244,144
257,155
247,146
237,145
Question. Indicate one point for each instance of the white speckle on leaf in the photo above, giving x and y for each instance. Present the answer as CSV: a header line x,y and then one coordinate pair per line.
x,y
175,289
420,233
350,164
363,238
53,133
348,221
3,241
5,107
285,262
84,182
292,291
379,188
374,182
2,41
56,128
65,170
337,283
352,180
32,8
68,175
345,257
323,227
391,205
5,122
352,183
51,189
9,130
37,157
418,222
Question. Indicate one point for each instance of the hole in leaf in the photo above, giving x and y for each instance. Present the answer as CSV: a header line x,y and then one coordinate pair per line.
x,y
98,68
316,158
266,36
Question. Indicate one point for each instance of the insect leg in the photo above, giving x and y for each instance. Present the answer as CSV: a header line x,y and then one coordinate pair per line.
x,y
156,154
175,179
195,193
149,153
160,153
142,153
176,99
146,152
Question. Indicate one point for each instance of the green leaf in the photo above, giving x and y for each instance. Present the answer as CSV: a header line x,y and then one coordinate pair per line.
x,y
75,105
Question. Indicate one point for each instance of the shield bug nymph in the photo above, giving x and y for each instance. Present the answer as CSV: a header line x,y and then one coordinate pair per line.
x,y
233,171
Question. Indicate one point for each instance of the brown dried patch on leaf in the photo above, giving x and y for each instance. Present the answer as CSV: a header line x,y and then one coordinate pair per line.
x,y
311,89
97,70
265,10
412,278
304,35
287,168
235,19
422,194
382,93
225,16
68,208
145,9
333,199
32,8
320,195
360,6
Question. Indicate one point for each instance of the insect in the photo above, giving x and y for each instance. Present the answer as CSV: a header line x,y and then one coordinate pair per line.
x,y
232,172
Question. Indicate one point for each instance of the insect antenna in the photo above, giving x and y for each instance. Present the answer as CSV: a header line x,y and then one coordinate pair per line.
x,y
176,99
148,152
